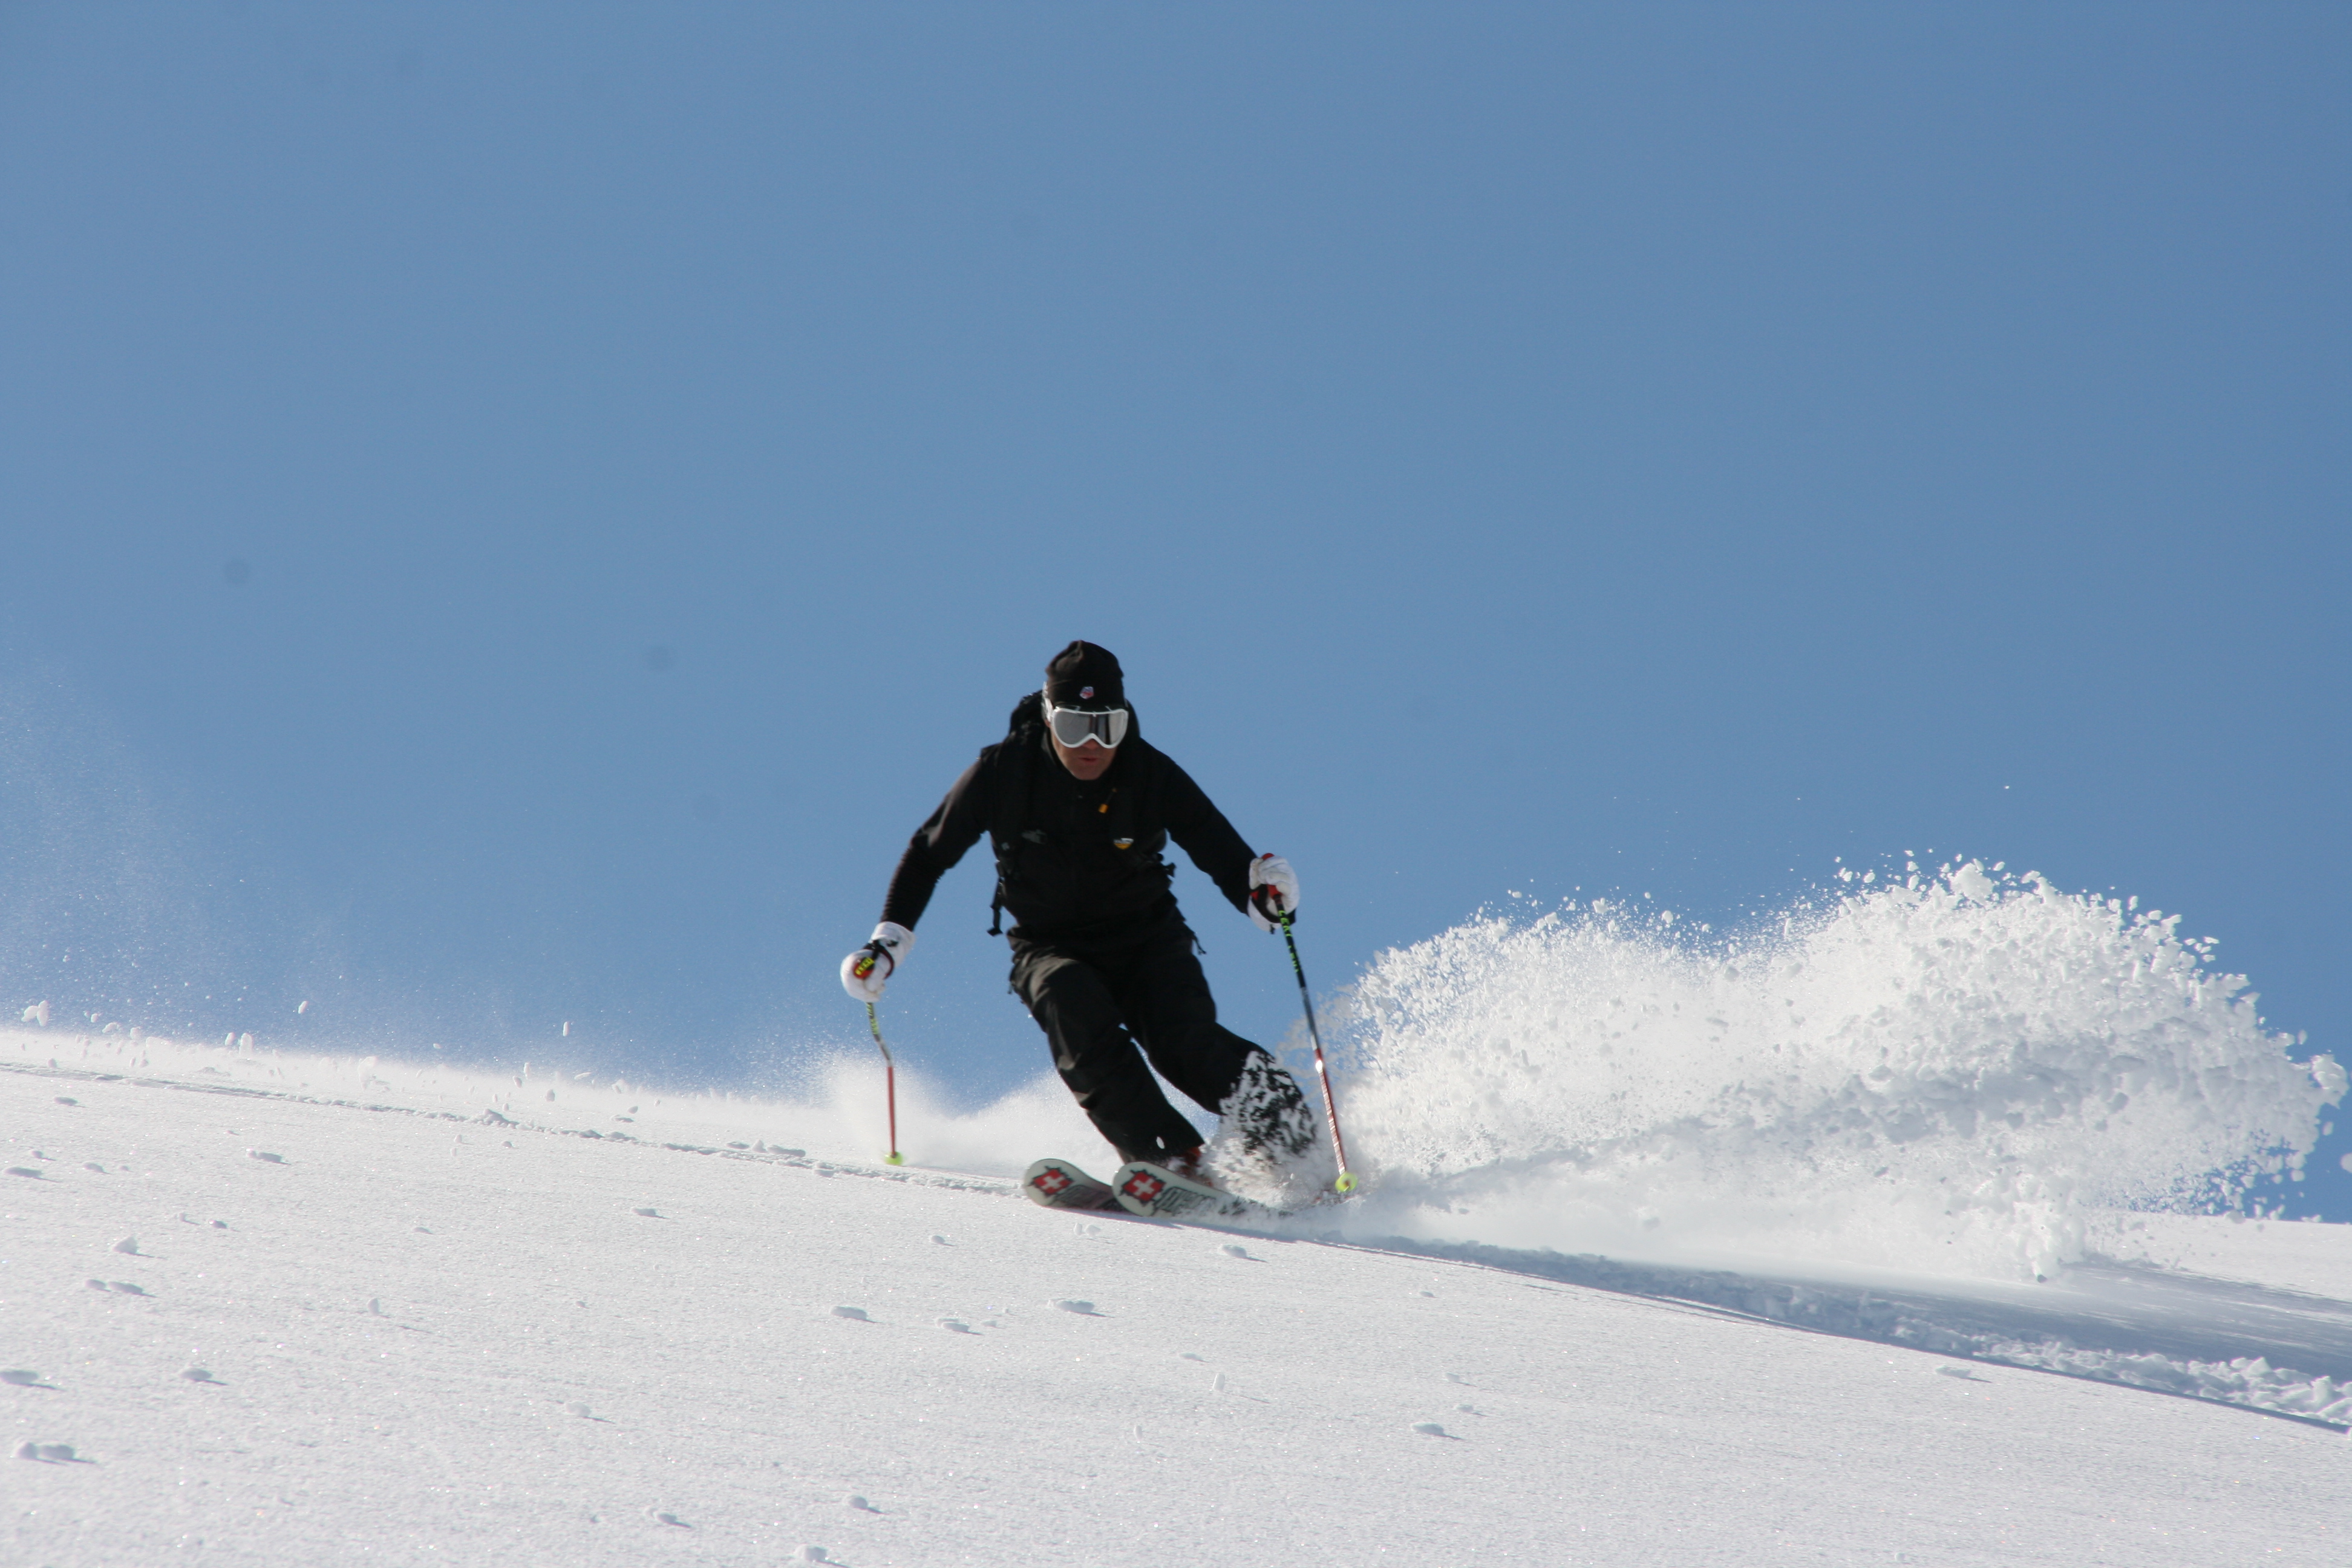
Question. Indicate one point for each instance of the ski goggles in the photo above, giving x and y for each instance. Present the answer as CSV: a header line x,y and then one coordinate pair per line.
x,y
1073,727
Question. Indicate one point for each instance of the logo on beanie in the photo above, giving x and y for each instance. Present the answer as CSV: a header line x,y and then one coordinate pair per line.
x,y
1085,692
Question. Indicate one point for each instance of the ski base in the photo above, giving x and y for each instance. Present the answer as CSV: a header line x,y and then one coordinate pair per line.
x,y
1156,1191
1059,1184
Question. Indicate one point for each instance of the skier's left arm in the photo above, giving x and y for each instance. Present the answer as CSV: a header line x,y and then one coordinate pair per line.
x,y
1202,831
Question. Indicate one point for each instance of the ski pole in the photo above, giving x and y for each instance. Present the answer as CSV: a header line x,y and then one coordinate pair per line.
x,y
1347,1182
890,1083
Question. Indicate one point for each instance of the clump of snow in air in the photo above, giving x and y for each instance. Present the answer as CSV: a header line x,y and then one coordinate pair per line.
x,y
1965,1073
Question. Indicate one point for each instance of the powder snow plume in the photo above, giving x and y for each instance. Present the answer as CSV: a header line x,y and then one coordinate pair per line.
x,y
1958,1073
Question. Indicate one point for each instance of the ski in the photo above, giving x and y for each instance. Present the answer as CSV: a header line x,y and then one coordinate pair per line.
x,y
1059,1184
1156,1191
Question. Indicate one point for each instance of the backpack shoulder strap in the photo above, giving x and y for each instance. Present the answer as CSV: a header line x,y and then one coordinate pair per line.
x,y
1016,766
1136,825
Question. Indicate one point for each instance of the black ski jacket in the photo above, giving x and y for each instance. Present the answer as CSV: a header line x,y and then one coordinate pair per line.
x,y
1073,859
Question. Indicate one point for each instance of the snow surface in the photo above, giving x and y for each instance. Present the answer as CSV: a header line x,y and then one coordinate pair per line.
x,y
454,1320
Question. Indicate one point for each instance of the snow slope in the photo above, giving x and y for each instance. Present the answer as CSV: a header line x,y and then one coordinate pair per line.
x,y
423,1332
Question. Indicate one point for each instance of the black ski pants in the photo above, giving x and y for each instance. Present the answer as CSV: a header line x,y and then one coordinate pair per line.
x,y
1099,999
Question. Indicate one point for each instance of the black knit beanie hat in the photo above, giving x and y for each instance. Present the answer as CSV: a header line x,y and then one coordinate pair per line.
x,y
1085,676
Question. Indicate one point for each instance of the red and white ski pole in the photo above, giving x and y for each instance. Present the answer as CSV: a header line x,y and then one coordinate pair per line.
x,y
889,1081
1347,1182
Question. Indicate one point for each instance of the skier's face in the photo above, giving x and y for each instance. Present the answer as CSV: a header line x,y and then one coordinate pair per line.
x,y
1087,762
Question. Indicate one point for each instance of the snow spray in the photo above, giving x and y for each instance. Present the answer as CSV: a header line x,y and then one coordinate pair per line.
x,y
1959,1072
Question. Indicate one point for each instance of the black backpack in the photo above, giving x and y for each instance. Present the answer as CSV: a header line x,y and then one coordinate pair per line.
x,y
1016,771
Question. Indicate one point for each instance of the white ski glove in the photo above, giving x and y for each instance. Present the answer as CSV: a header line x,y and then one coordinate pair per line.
x,y
864,972
1273,890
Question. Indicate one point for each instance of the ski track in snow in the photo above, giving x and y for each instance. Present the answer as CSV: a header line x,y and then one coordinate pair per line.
x,y
438,1327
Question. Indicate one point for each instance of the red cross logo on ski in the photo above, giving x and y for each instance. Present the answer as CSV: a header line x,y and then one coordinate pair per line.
x,y
1143,1186
1051,1182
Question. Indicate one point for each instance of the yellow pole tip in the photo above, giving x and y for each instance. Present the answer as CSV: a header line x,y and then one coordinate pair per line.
x,y
896,1159
1346,1183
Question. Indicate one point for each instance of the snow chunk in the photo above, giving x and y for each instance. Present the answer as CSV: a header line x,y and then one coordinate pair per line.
x,y
855,1314
50,1453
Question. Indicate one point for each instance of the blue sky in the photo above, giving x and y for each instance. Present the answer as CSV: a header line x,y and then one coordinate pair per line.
x,y
513,513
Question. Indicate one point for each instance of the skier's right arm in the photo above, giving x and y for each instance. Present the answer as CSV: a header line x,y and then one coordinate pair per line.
x,y
939,844
957,824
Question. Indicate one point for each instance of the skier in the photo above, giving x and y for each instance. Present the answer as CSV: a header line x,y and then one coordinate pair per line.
x,y
1078,807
